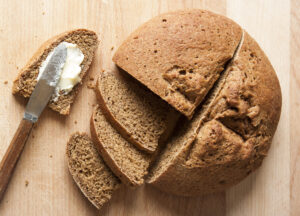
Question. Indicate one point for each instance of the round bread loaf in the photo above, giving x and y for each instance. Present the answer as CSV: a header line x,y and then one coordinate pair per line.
x,y
179,55
230,134
214,73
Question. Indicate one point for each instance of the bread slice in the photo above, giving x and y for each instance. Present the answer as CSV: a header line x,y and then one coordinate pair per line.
x,y
138,114
91,174
179,55
25,82
127,162
230,135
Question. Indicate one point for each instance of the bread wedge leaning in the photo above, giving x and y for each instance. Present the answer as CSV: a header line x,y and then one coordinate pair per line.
x,y
91,174
125,160
179,55
87,42
138,114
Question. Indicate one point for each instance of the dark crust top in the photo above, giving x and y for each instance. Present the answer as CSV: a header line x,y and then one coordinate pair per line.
x,y
179,55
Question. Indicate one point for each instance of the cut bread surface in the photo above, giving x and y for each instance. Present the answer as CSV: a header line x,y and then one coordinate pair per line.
x,y
91,174
179,55
125,160
87,42
138,114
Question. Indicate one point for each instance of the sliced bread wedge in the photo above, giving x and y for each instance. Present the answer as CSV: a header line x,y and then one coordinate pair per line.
x,y
124,159
91,174
138,114
24,84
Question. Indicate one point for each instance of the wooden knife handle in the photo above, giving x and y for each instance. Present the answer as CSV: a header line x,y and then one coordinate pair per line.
x,y
12,154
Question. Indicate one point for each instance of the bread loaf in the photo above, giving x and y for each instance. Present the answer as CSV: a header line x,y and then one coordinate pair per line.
x,y
213,72
230,134
179,55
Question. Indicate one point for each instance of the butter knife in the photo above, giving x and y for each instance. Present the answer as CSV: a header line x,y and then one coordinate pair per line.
x,y
38,100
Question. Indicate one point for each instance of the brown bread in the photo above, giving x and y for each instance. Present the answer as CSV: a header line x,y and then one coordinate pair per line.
x,y
89,171
230,135
25,82
127,162
179,55
138,114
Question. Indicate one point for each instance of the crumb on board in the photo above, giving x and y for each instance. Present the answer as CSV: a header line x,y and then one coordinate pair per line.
x,y
75,122
50,156
102,70
91,78
112,48
5,82
26,183
17,68
43,13
93,105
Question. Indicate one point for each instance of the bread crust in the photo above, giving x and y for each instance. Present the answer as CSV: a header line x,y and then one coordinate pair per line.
x,y
182,60
24,86
251,92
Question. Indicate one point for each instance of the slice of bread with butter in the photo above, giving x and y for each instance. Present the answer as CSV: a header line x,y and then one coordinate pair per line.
x,y
81,45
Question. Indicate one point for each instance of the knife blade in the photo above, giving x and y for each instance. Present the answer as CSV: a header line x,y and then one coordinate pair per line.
x,y
38,100
46,85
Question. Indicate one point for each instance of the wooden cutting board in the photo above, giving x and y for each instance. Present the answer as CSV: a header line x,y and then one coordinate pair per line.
x,y
41,184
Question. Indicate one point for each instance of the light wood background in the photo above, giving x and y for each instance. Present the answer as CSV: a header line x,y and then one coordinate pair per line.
x,y
272,190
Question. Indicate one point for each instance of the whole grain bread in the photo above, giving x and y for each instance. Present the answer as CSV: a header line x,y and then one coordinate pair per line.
x,y
179,55
138,114
230,134
25,82
91,174
124,159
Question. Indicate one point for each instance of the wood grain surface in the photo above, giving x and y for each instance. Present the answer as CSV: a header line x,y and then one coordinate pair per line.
x,y
41,184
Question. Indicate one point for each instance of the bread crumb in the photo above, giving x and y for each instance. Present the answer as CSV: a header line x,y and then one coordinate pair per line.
x,y
43,13
75,122
93,105
102,70
33,136
5,82
50,156
92,78
26,183
112,48
17,68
